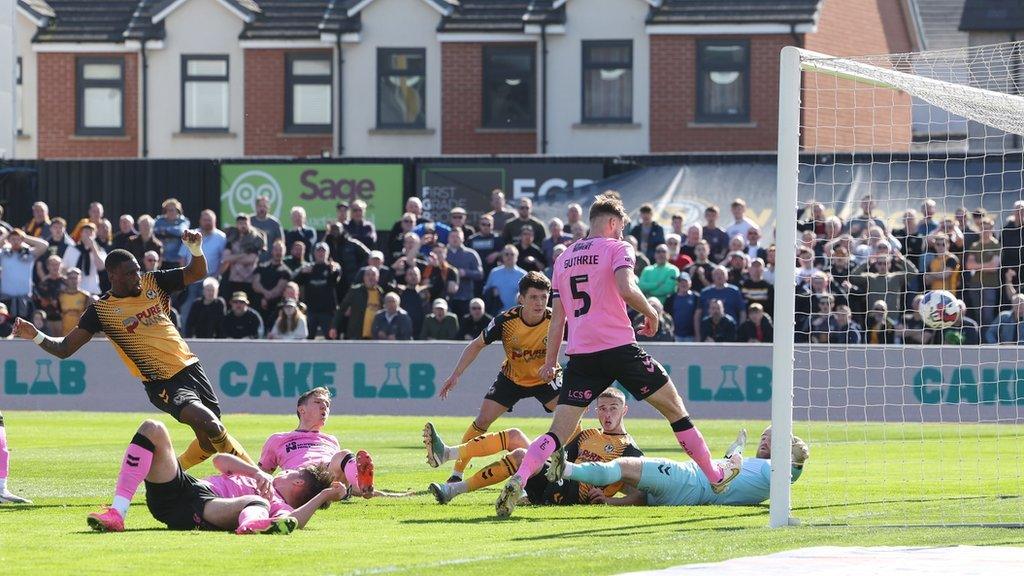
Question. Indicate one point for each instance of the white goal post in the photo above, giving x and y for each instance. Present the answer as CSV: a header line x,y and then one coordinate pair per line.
x,y
935,131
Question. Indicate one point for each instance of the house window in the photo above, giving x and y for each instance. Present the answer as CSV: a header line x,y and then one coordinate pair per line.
x,y
608,81
308,93
204,93
723,88
509,87
18,97
99,103
401,88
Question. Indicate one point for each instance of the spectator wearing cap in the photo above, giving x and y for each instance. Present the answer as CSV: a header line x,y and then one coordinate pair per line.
x,y
659,279
513,228
387,275
264,221
241,322
675,255
441,324
556,237
290,323
396,242
757,327
208,312
94,218
168,228
300,231
39,225
440,277
73,300
269,281
17,258
728,294
684,307
391,322
755,289
145,240
470,270
88,257
717,239
414,299
648,233
500,214
457,220
473,324
736,267
359,227
125,231
358,309
347,251
487,245
501,290
321,281
46,294
718,326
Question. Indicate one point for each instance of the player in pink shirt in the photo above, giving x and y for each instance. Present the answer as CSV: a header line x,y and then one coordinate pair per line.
x,y
242,497
308,445
592,282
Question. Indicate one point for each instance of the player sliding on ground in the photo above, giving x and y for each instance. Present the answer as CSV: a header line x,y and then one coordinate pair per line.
x,y
135,315
523,331
665,482
593,282
242,498
592,445
308,445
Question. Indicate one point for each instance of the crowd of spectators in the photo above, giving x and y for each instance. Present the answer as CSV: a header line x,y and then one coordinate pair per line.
x,y
857,281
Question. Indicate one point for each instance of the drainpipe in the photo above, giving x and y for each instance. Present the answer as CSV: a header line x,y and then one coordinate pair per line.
x,y
796,37
145,102
341,97
544,88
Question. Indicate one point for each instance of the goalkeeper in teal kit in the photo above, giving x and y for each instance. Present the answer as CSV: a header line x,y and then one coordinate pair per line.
x,y
663,482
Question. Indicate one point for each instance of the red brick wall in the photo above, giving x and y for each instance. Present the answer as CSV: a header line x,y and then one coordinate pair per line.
x,y
56,110
845,116
264,108
674,97
462,107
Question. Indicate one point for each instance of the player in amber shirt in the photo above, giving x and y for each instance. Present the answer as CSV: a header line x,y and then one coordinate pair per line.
x,y
135,315
523,331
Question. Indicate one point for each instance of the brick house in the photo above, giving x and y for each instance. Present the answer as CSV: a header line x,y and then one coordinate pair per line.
x,y
262,78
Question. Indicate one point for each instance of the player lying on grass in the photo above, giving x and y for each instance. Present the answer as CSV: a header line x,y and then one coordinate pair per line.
x,y
135,316
592,445
6,497
663,482
309,445
242,497
523,331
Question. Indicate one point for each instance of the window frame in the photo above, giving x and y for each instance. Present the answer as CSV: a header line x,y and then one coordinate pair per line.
x,y
81,84
185,79
744,70
19,96
383,56
586,64
488,75
291,80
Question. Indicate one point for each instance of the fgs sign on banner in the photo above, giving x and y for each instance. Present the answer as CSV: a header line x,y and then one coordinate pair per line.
x,y
445,186
315,187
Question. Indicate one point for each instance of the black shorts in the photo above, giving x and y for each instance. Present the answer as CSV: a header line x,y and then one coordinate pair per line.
x,y
190,386
587,375
541,492
506,392
180,503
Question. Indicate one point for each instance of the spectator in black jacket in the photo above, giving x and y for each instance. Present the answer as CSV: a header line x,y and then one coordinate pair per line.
x,y
648,233
472,324
321,281
300,232
349,252
757,327
842,328
242,322
414,299
392,323
209,312
360,228
718,326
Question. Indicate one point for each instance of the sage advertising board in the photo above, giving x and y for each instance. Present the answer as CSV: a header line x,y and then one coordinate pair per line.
x,y
316,187
892,384
445,186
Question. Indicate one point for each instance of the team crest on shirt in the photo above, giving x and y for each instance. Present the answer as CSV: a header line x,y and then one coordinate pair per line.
x,y
608,448
150,294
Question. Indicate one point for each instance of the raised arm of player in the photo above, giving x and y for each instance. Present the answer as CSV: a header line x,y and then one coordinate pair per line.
x,y
469,354
554,340
59,347
231,464
625,281
196,269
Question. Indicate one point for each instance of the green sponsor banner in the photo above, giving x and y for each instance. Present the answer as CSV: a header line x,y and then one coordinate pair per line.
x,y
315,187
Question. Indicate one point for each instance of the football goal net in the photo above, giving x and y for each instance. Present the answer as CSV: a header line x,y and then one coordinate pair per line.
x,y
898,175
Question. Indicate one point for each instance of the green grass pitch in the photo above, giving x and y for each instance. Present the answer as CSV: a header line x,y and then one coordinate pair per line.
x,y
67,463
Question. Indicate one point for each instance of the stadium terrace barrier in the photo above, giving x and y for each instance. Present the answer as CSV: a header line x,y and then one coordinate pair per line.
x,y
856,383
